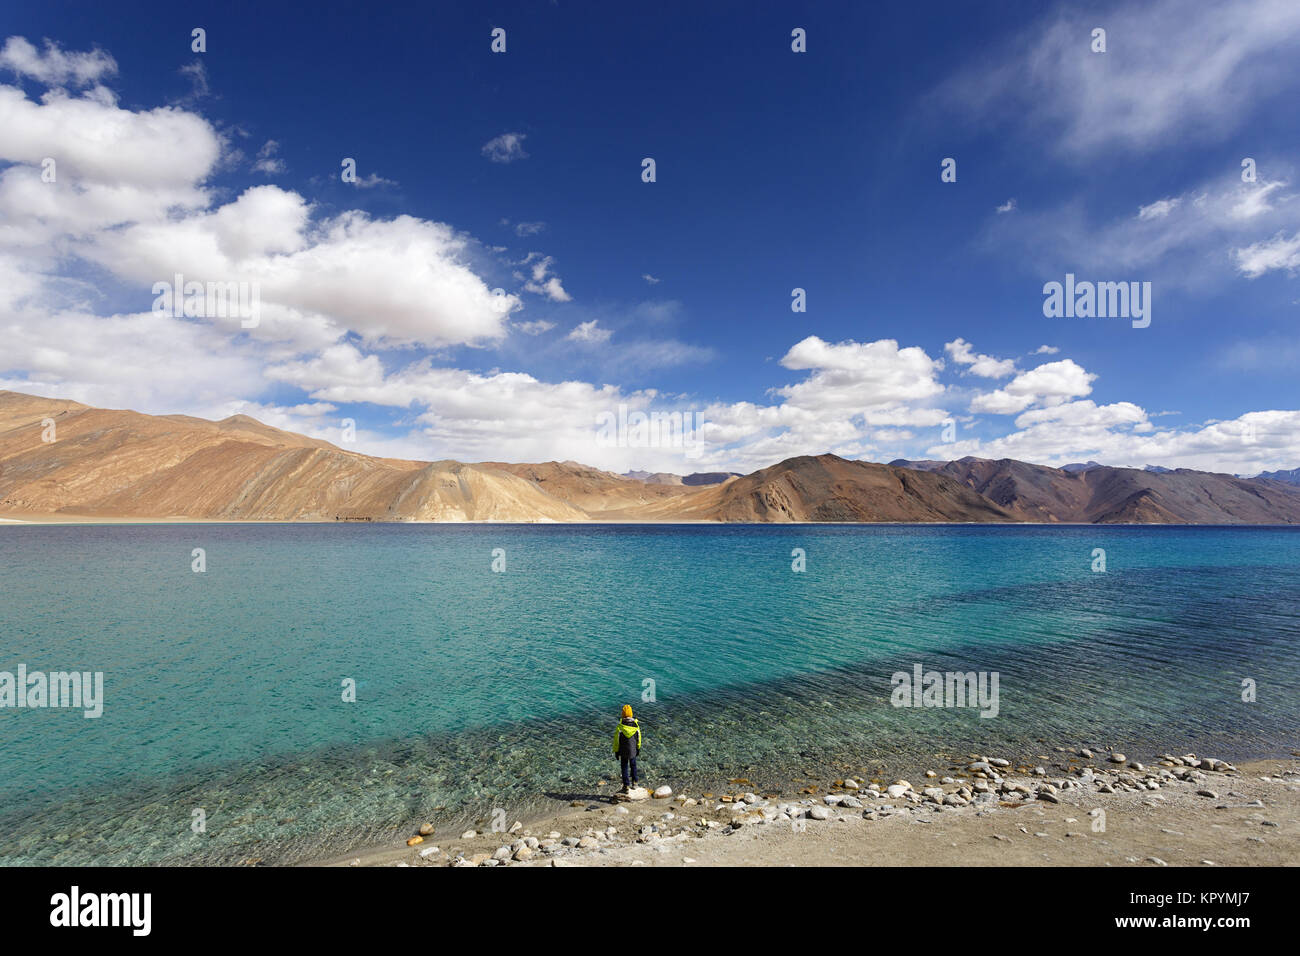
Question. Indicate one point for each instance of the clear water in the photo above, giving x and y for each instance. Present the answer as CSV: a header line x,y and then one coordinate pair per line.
x,y
478,690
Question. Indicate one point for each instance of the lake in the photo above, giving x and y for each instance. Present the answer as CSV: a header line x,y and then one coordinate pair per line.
x,y
475,688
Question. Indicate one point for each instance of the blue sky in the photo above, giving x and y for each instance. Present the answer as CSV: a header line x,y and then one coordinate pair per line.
x,y
521,171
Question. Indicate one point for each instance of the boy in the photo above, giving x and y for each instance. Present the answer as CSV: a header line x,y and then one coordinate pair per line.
x,y
627,745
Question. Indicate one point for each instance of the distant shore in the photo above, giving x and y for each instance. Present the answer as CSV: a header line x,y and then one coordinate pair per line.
x,y
60,519
1179,810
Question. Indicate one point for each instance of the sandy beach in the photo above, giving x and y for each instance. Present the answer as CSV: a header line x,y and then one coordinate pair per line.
x,y
1074,810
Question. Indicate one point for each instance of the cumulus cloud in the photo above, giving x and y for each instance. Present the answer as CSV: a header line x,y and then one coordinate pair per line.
x,y
346,298
131,198
1049,384
1120,435
985,366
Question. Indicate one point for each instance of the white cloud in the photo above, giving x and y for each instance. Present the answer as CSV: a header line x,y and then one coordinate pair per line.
x,y
197,74
1255,199
1045,350
160,151
1084,414
1171,70
1278,253
342,293
267,162
1159,209
373,180
1120,435
1049,384
651,279
540,284
985,366
551,288
1008,206
589,332
506,148
1209,225
53,66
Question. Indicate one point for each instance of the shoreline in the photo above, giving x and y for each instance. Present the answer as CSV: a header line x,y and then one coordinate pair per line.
x,y
1176,810
76,520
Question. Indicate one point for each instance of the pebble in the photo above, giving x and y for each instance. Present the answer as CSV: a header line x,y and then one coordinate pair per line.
x,y
1117,758
426,829
663,793
819,813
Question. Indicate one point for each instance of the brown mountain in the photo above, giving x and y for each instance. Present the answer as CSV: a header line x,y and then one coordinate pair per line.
x,y
1102,494
122,464
830,488
601,494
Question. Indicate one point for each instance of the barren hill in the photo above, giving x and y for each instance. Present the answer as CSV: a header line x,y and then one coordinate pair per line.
x,y
1103,494
830,488
123,464
103,463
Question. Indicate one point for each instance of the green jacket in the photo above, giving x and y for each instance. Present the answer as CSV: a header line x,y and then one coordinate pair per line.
x,y
627,738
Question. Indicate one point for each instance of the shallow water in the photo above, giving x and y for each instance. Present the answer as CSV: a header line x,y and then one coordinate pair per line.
x,y
478,689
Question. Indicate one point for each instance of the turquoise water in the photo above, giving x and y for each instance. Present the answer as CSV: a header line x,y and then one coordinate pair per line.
x,y
478,689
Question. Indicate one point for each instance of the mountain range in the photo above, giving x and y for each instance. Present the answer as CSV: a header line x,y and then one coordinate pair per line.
x,y
62,459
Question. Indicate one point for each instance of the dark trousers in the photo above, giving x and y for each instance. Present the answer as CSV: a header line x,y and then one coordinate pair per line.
x,y
628,762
